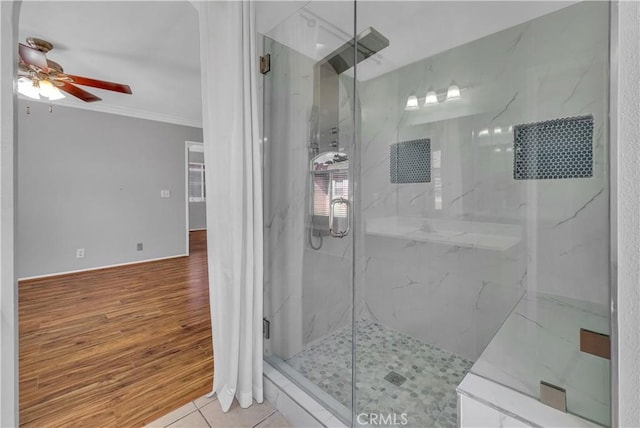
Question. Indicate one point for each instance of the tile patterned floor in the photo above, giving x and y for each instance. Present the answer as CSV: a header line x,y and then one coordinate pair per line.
x,y
427,396
206,413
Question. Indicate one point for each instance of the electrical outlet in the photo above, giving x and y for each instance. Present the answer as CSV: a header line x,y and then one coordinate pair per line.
x,y
165,193
80,253
139,246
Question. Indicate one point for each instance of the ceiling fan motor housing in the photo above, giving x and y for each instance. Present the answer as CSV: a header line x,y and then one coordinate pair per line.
x,y
42,45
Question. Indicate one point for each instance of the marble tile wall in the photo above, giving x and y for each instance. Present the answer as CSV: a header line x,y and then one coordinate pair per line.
x,y
307,291
456,296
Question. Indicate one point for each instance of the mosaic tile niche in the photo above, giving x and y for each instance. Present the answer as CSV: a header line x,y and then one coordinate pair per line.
x,y
410,161
554,149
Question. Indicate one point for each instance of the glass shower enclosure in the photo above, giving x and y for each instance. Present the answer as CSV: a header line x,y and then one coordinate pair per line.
x,y
436,198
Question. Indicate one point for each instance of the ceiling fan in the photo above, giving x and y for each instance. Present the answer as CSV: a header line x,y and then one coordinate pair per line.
x,y
40,76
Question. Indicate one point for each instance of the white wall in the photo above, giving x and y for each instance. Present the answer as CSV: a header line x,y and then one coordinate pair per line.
x,y
8,284
93,180
626,110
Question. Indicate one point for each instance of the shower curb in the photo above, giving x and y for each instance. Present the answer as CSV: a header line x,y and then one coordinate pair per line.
x,y
298,407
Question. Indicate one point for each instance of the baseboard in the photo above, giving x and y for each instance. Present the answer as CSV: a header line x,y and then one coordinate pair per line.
x,y
197,230
50,275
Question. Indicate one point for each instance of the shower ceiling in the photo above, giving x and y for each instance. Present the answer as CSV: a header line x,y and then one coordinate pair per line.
x,y
427,28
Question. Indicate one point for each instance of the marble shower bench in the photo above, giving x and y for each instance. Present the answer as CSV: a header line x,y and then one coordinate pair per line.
x,y
539,341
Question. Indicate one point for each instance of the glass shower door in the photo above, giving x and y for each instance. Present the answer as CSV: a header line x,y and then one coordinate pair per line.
x,y
308,194
436,204
483,222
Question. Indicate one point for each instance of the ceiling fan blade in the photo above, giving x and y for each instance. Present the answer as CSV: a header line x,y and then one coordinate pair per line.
x,y
33,57
77,92
100,84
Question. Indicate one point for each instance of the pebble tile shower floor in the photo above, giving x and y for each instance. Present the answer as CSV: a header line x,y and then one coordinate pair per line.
x,y
427,396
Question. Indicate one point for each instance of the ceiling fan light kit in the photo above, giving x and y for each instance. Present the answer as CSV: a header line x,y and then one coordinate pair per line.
x,y
42,77
27,88
49,91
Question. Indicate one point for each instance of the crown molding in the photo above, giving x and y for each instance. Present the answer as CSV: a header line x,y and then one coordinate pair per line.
x,y
122,111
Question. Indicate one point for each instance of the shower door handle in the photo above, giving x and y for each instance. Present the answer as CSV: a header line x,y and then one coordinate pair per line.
x,y
332,231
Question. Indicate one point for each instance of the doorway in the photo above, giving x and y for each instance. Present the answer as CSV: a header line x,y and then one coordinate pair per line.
x,y
196,192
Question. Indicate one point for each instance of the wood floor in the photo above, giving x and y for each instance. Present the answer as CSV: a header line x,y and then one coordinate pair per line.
x,y
116,347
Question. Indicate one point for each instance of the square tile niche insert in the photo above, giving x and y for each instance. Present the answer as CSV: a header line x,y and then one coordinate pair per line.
x,y
561,148
410,161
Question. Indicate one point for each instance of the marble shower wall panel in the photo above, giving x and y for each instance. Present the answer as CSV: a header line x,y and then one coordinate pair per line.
x,y
380,118
286,174
326,299
512,77
450,296
552,67
414,287
475,178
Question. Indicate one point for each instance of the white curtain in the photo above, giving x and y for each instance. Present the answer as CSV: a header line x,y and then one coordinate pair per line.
x,y
234,197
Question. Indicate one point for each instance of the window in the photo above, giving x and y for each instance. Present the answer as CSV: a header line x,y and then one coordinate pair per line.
x,y
330,185
330,171
197,189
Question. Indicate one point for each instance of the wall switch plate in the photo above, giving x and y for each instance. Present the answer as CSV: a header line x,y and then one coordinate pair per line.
x,y
139,246
80,253
165,193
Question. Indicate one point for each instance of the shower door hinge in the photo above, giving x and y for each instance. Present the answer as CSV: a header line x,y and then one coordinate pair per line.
x,y
265,64
553,396
594,343
266,328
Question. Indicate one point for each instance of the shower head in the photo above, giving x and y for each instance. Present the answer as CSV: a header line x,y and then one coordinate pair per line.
x,y
368,43
324,120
